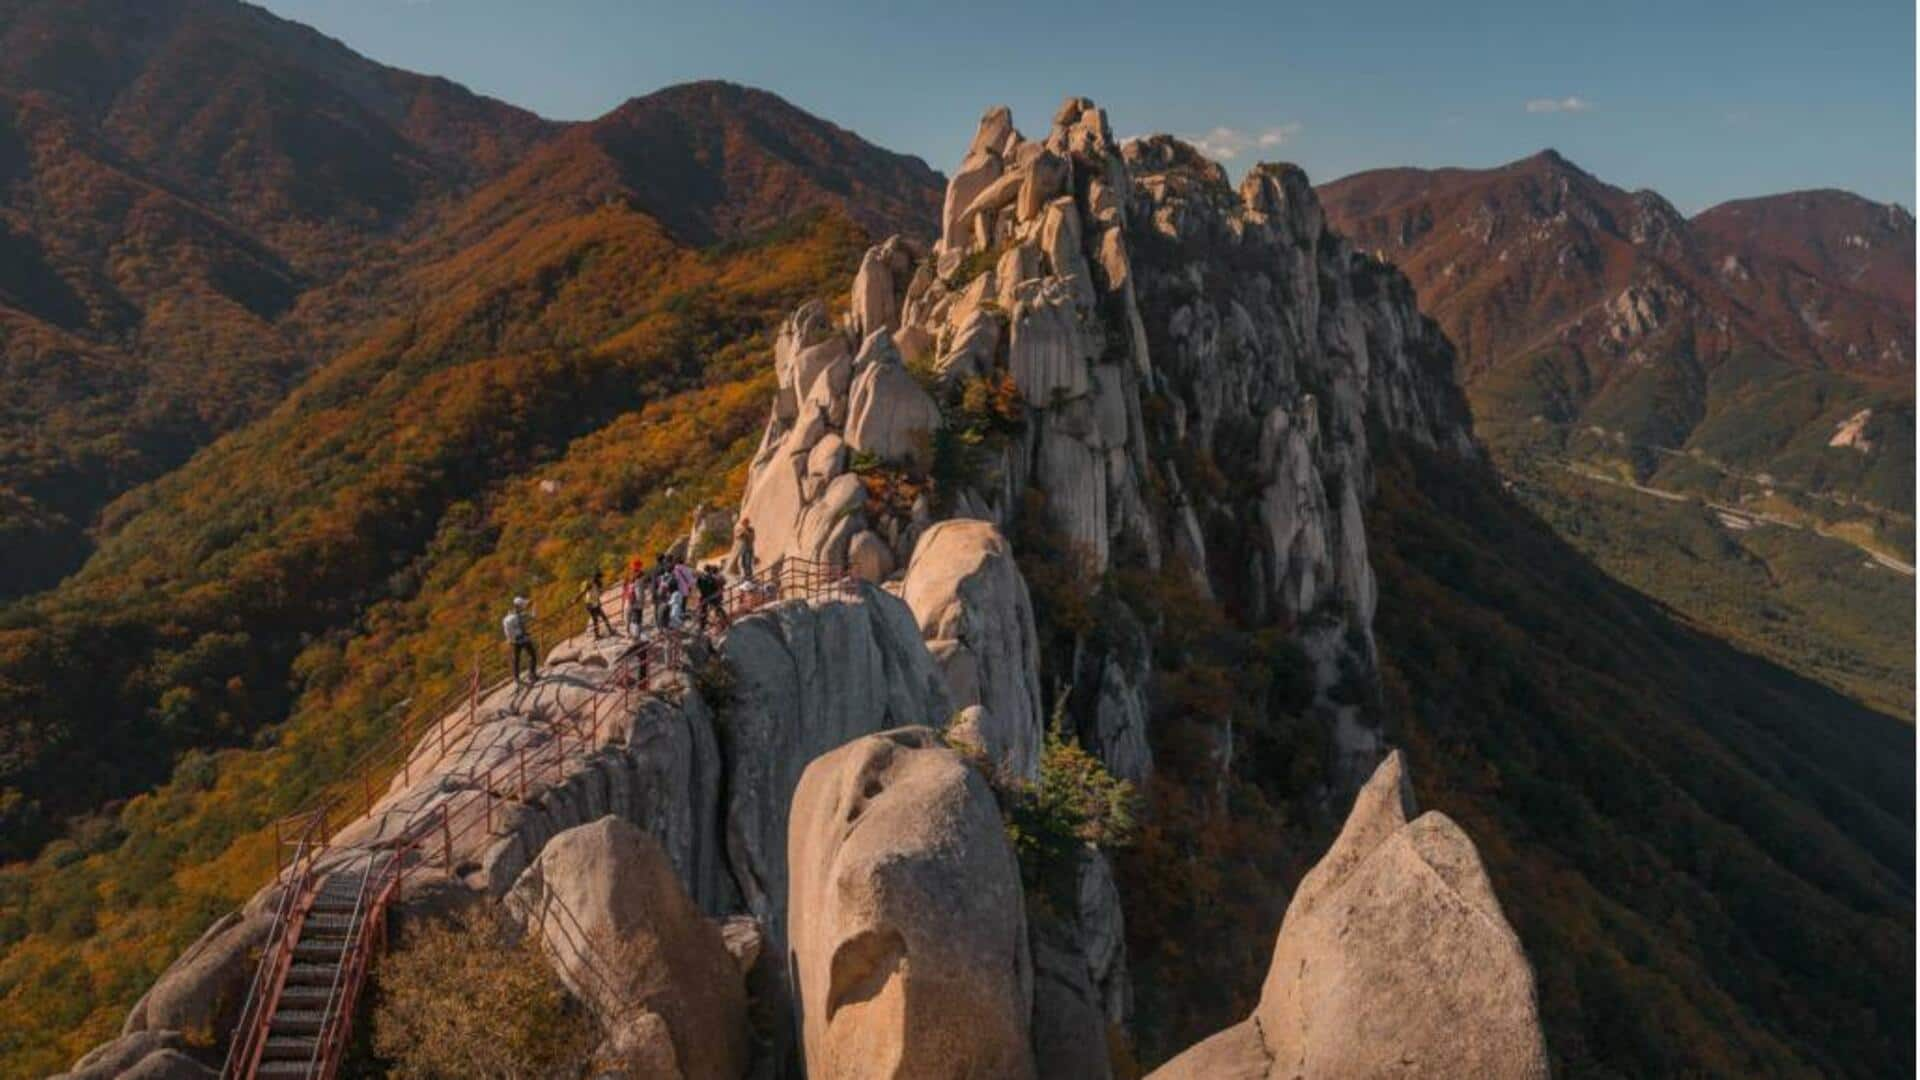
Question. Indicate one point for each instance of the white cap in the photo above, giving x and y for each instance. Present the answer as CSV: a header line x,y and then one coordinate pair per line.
x,y
519,601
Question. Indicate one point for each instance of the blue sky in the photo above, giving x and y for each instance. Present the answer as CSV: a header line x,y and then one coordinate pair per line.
x,y
1701,101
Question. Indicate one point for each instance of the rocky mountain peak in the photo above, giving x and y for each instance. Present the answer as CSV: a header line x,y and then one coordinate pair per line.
x,y
1007,371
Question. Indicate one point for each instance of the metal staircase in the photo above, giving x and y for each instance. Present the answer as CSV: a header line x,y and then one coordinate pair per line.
x,y
344,925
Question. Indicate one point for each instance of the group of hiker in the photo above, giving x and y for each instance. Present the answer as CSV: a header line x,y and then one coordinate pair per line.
x,y
666,596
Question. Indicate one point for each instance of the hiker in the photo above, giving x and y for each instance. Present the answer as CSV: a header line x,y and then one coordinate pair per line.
x,y
633,598
661,585
683,586
712,588
743,541
591,590
519,632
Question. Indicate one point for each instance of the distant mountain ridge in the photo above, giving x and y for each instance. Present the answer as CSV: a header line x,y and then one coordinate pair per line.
x,y
1603,326
1717,409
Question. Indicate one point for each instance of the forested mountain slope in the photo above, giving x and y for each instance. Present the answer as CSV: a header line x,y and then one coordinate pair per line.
x,y
198,203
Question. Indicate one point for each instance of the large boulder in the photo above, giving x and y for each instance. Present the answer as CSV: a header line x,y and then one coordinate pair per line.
x,y
1394,959
624,936
973,608
908,927
889,414
203,991
149,1054
168,1065
808,677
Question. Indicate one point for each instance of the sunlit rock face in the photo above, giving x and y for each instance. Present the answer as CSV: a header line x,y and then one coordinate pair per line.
x,y
1394,959
908,941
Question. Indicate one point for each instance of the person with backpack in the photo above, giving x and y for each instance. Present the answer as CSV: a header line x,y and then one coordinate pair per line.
x,y
590,592
518,628
712,588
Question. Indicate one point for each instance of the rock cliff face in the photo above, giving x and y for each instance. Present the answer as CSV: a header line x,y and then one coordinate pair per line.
x,y
977,619
808,679
1394,960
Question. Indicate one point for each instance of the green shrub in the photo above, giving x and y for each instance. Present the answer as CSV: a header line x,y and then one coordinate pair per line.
x,y
1074,806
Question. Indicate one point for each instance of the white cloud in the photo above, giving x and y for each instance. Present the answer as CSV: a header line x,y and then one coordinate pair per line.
x,y
1559,105
1225,143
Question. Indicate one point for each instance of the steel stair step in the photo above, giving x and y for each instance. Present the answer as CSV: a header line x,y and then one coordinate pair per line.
x,y
312,974
312,949
291,1048
298,1021
282,1068
305,995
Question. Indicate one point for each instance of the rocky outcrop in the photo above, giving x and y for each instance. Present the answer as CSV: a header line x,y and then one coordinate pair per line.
x,y
1100,278
974,612
1394,958
1069,1028
167,1065
612,917
909,937
889,415
808,679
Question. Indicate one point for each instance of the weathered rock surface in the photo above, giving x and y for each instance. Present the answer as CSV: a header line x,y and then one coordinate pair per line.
x,y
168,1065
909,937
612,917
1069,1027
1096,277
973,609
151,1053
889,415
1394,959
808,679
205,989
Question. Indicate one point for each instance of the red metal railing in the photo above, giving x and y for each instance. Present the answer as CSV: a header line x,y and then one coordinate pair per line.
x,y
276,955
433,837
